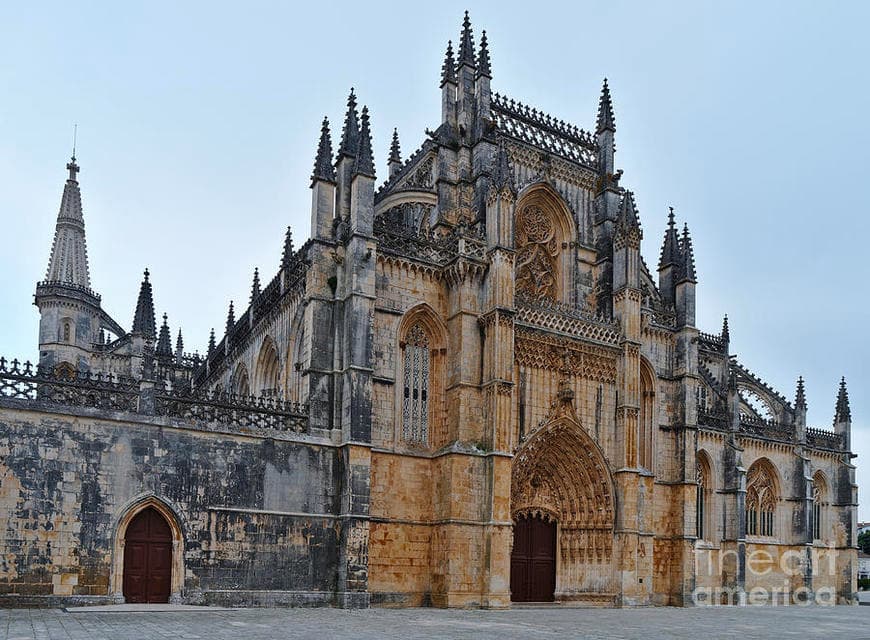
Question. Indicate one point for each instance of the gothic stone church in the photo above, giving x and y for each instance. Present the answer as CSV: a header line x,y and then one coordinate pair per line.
x,y
466,389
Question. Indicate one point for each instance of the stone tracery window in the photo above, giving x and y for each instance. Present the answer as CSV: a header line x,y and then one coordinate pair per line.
x,y
415,385
761,501
701,507
819,487
537,253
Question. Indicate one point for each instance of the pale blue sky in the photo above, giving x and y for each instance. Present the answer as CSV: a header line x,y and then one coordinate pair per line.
x,y
198,124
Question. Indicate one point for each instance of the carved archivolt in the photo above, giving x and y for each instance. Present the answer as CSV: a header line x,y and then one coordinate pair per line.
x,y
562,471
537,253
572,358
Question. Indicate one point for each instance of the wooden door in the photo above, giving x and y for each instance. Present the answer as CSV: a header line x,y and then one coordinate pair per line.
x,y
533,560
147,558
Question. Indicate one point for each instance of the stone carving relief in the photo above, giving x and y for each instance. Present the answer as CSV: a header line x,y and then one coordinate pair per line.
x,y
537,252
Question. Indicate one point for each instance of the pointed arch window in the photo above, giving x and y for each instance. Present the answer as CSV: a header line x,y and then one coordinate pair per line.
x,y
819,495
701,502
415,385
66,331
761,500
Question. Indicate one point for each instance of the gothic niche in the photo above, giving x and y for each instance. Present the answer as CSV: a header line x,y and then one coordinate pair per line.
x,y
537,254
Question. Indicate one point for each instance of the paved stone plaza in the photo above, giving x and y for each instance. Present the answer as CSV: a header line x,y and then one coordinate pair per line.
x,y
406,624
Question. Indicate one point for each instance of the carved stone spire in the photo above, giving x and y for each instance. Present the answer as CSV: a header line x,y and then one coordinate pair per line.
x,y
255,286
800,398
350,132
466,43
143,318
164,341
670,254
606,121
68,263
628,218
211,342
843,412
287,254
395,150
448,69
231,318
483,65
364,164
179,345
687,270
726,332
323,169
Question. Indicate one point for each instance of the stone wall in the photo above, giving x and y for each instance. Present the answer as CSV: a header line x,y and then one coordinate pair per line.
x,y
256,513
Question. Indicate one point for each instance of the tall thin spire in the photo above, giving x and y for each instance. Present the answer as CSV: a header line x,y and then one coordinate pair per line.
x,y
323,168
606,120
628,217
350,132
670,254
255,285
726,331
800,397
688,265
287,254
483,65
364,164
231,318
466,43
843,412
68,263
448,69
211,342
164,341
179,344
143,318
395,149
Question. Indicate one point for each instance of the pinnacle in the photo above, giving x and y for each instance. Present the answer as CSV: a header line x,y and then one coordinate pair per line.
x,y
179,343
323,169
395,150
448,69
287,255
143,317
164,342
350,132
211,343
255,286
68,262
606,120
688,266
628,212
670,254
364,164
726,332
800,400
843,411
483,65
466,43
231,318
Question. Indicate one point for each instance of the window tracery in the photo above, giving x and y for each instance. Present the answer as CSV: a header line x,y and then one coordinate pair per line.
x,y
537,253
761,501
415,383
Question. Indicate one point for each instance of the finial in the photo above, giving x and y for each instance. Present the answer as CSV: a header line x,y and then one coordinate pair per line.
x,y
395,150
800,398
323,169
483,66
364,164
843,412
350,132
179,343
231,318
726,333
211,342
606,121
143,317
288,247
670,217
448,69
255,287
670,254
164,342
466,43
688,255
628,213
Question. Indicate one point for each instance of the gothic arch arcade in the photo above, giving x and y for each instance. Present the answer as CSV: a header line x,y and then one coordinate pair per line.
x,y
561,484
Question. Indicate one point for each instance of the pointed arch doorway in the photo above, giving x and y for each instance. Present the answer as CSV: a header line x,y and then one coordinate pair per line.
x,y
533,559
148,558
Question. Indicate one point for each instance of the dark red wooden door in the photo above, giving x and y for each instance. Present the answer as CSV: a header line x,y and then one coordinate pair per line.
x,y
147,558
533,560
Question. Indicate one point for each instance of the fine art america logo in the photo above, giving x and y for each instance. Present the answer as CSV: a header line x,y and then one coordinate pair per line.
x,y
779,578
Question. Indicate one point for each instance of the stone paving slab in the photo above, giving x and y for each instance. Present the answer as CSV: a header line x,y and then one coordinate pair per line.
x,y
746,623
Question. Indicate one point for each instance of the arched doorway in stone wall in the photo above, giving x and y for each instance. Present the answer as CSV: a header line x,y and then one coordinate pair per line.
x,y
147,558
560,477
533,558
